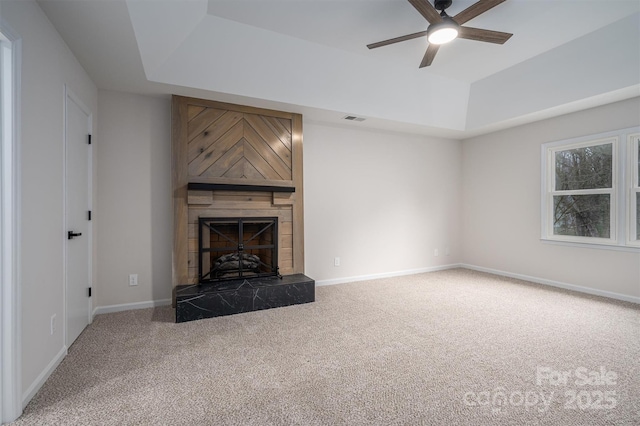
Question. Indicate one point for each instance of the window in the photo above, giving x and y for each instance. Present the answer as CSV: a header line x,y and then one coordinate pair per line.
x,y
584,182
634,189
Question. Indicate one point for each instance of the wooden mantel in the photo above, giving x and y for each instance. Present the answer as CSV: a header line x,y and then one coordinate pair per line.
x,y
202,186
235,161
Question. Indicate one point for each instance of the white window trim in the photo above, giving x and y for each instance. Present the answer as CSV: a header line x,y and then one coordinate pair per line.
x,y
633,142
552,192
620,192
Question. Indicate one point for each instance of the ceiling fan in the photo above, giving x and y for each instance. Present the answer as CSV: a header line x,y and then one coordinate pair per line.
x,y
444,28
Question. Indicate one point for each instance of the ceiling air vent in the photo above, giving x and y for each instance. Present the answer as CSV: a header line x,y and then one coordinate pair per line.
x,y
352,118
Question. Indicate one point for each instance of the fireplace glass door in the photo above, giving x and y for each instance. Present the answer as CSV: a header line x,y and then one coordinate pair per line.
x,y
231,248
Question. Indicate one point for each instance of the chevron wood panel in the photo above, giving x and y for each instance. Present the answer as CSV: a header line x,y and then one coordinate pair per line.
x,y
203,120
238,145
193,111
226,161
269,135
243,169
216,142
258,161
216,150
280,163
212,133
282,128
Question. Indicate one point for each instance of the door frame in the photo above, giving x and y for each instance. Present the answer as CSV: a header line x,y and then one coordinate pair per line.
x,y
69,96
10,247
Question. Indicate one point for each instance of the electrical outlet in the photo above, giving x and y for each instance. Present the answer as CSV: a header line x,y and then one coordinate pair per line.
x,y
336,261
53,324
436,252
133,279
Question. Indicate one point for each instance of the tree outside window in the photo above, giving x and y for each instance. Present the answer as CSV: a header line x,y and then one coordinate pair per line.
x,y
591,189
583,213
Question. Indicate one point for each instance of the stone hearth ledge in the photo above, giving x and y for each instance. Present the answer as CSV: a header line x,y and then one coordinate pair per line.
x,y
210,300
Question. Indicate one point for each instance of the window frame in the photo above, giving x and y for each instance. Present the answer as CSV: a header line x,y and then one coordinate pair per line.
x,y
621,191
633,184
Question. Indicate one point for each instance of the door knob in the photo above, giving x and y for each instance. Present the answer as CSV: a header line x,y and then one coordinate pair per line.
x,y
72,234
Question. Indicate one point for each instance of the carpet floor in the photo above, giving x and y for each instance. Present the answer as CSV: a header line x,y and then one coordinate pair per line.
x,y
455,347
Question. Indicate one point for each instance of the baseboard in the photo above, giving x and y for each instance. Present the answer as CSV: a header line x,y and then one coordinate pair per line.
x,y
386,275
557,284
130,306
43,376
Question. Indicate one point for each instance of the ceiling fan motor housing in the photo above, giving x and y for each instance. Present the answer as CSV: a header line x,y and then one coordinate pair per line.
x,y
441,4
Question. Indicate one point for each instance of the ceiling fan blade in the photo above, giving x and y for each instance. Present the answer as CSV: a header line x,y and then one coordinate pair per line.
x,y
475,10
478,34
397,40
427,10
429,55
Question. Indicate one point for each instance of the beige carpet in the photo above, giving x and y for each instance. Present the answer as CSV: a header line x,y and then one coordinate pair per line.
x,y
431,349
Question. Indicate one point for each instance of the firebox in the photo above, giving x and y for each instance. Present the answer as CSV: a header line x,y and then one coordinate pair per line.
x,y
232,248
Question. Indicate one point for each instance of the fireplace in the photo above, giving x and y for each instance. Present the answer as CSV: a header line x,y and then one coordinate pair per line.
x,y
238,270
232,248
238,209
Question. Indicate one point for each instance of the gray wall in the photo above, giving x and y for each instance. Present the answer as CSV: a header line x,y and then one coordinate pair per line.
x,y
382,202
501,204
134,195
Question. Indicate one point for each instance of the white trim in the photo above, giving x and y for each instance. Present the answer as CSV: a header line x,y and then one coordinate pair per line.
x,y
43,376
99,310
10,264
592,245
611,192
345,280
633,188
558,284
64,214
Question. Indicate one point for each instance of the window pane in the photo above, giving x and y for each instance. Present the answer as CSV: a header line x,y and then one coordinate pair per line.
x,y
638,215
584,168
582,215
638,164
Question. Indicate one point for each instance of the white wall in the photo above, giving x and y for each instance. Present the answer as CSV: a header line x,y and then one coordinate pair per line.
x,y
501,204
47,65
382,202
134,194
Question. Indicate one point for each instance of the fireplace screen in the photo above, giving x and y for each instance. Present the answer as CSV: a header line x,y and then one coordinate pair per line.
x,y
237,248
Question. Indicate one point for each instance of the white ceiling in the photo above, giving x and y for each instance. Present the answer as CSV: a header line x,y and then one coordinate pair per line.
x,y
310,56
352,24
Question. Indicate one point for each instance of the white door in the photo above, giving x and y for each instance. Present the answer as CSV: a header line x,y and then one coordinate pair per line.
x,y
77,216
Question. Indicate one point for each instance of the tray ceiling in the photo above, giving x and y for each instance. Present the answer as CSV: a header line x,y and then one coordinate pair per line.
x,y
310,56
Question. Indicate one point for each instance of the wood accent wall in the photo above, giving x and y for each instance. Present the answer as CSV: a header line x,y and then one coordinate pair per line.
x,y
220,143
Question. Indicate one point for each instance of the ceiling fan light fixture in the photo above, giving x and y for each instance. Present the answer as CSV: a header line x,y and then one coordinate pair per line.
x,y
444,28
443,32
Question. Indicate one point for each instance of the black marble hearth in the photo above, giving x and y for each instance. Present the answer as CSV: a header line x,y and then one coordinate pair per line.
x,y
242,295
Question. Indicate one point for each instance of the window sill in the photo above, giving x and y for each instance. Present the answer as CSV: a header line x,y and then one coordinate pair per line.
x,y
612,246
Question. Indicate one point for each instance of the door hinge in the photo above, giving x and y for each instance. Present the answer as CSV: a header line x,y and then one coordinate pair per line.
x,y
89,291
89,215
89,139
